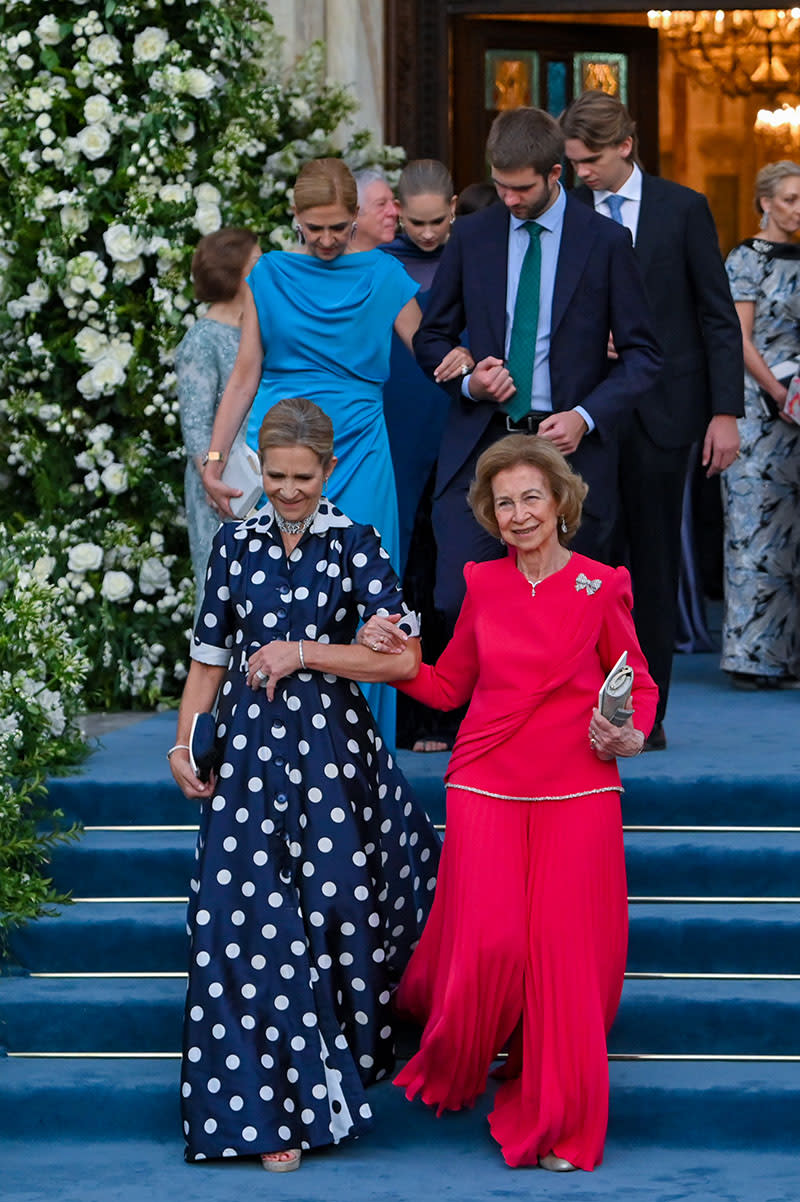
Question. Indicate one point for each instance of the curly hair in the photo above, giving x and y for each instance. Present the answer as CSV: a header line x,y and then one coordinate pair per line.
x,y
567,487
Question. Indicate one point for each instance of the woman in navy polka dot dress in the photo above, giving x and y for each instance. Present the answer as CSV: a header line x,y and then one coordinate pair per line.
x,y
315,866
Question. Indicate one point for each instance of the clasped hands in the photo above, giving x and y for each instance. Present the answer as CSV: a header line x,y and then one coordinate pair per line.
x,y
270,664
491,381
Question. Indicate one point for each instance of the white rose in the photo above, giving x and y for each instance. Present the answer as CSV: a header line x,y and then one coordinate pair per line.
x,y
104,49
173,193
153,576
184,133
43,567
126,273
101,175
207,194
48,31
121,350
115,478
116,586
38,100
85,557
207,219
149,44
97,109
122,244
93,141
74,218
25,62
91,481
90,344
197,83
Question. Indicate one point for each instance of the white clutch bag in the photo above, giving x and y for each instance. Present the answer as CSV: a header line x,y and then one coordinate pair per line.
x,y
615,695
243,471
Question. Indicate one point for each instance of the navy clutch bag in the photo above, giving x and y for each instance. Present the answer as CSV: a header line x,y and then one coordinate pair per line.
x,y
204,753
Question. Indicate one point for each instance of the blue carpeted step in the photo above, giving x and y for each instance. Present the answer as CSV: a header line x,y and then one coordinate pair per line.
x,y
708,1017
694,1104
710,937
150,936
699,1017
91,1014
126,863
662,863
711,864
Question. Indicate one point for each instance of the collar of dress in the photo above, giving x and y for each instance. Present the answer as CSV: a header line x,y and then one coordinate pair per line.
x,y
328,517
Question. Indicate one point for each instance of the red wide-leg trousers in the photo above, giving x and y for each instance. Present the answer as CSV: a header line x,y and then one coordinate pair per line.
x,y
527,938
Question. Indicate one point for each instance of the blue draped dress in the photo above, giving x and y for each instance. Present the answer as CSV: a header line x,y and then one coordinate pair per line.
x,y
326,330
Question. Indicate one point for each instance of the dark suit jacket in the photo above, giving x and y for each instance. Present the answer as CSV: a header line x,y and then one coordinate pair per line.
x,y
598,288
699,332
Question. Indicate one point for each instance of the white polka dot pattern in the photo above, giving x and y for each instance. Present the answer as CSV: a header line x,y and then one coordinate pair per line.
x,y
311,887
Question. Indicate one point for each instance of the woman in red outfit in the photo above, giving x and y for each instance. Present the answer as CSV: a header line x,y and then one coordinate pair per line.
x,y
527,938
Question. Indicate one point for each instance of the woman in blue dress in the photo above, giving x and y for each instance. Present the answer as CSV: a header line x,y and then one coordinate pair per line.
x,y
315,866
318,322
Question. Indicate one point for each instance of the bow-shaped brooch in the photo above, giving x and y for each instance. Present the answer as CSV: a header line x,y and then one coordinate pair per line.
x,y
583,581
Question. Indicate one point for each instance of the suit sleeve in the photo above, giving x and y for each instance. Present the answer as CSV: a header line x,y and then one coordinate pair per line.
x,y
618,634
719,323
445,316
635,371
449,682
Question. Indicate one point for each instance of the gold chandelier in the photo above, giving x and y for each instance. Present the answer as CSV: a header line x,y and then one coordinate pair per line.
x,y
741,52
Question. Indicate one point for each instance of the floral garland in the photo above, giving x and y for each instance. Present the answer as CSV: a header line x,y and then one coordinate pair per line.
x,y
42,679
126,132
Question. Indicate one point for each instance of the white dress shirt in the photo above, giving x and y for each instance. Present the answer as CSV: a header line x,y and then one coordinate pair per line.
x,y
631,194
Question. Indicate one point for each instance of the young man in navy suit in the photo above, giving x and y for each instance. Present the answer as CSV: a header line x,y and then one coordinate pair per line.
x,y
698,395
580,281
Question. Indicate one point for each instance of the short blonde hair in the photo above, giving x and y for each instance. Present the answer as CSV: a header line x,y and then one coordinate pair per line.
x,y
297,422
567,487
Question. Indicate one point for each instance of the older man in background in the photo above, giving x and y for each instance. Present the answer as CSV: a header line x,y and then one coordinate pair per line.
x,y
377,209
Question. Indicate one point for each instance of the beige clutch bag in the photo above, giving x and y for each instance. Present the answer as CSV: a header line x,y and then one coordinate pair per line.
x,y
613,701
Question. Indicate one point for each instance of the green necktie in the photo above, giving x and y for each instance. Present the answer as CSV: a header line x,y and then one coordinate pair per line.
x,y
522,352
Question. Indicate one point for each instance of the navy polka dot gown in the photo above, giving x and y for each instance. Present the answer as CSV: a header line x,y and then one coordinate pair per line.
x,y
315,866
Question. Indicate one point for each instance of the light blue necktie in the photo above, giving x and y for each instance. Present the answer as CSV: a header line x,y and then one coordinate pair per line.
x,y
615,205
522,351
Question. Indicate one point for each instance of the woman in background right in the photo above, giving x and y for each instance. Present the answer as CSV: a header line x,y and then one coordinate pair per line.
x,y
761,489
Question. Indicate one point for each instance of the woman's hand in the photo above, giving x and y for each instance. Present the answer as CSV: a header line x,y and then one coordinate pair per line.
x,y
271,663
382,634
218,494
457,362
190,785
609,741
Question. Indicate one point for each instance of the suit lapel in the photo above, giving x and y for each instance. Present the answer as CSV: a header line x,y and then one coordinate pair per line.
x,y
649,229
493,269
576,242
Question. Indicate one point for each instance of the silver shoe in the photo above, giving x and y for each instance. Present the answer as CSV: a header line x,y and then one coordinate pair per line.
x,y
556,1164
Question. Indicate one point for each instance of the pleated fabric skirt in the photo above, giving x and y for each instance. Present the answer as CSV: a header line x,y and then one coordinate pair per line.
x,y
526,942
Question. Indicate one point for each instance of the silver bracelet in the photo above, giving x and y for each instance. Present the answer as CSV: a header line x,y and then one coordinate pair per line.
x,y
302,657
178,747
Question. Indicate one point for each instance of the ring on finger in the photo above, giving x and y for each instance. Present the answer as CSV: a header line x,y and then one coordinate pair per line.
x,y
261,675
464,369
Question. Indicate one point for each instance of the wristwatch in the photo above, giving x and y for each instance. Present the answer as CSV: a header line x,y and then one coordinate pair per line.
x,y
212,457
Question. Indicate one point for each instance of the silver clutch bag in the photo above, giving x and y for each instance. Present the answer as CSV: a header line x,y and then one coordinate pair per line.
x,y
614,697
243,471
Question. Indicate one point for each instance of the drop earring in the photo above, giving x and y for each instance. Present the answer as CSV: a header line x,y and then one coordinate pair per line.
x,y
764,222
299,235
353,230
563,524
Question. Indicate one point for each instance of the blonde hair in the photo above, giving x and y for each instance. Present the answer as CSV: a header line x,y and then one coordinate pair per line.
x,y
325,182
567,487
295,422
770,176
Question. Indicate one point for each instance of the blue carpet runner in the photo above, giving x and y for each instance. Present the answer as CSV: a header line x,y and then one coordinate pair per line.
x,y
705,1052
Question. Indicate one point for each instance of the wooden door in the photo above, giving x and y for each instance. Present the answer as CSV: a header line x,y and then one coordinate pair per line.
x,y
505,62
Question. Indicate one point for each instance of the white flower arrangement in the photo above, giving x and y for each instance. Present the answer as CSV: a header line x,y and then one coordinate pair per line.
x,y
127,131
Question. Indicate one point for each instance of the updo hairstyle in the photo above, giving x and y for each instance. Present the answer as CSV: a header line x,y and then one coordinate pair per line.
x,y
325,182
769,177
424,177
295,422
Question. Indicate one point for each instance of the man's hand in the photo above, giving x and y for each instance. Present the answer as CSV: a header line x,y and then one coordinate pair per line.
x,y
565,430
721,443
491,381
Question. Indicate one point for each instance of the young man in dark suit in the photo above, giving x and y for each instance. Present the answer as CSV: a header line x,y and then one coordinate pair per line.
x,y
537,282
699,393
